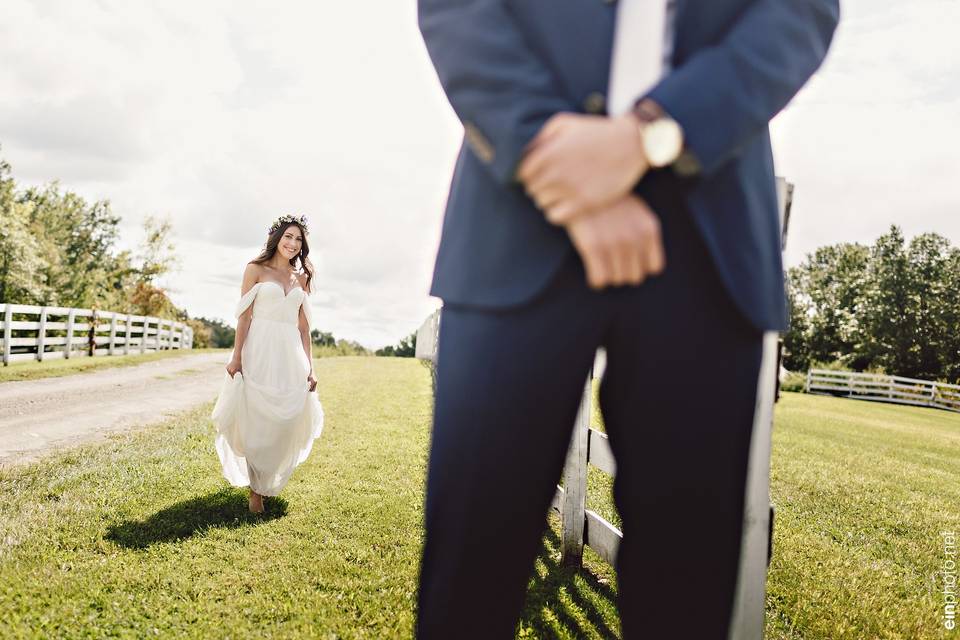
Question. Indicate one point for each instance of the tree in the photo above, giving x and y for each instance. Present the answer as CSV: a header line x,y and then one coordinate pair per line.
x,y
58,249
407,348
824,295
322,338
892,307
21,262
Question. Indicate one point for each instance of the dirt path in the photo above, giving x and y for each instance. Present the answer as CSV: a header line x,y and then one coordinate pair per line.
x,y
38,416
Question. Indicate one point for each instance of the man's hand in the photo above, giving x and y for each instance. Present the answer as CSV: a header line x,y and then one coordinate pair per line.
x,y
619,244
579,163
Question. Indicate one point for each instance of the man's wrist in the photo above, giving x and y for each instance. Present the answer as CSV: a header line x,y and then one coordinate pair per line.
x,y
684,163
631,129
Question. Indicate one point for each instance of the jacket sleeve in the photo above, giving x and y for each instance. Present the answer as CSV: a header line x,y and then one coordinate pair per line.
x,y
496,84
725,94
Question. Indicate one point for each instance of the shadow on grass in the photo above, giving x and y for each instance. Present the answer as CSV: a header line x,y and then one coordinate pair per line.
x,y
567,599
226,508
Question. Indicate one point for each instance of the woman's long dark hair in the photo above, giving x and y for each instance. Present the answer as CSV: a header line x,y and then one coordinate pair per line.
x,y
270,248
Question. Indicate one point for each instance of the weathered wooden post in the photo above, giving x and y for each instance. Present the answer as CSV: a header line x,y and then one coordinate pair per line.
x,y
7,320
756,543
92,333
68,341
574,503
126,334
428,338
113,333
42,334
756,546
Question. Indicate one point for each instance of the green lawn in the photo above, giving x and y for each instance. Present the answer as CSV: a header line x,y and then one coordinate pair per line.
x,y
862,492
33,370
140,537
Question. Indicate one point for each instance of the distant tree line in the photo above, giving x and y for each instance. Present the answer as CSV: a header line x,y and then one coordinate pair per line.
x,y
406,348
57,249
326,345
892,307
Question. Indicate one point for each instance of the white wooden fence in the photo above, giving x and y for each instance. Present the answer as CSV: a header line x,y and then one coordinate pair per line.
x,y
884,388
47,333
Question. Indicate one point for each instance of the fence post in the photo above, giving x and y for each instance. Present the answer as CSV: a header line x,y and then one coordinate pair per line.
x,y
68,343
41,333
126,335
113,333
92,334
7,319
573,514
756,541
806,386
143,333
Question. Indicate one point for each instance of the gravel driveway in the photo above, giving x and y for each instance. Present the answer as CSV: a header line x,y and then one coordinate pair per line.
x,y
38,416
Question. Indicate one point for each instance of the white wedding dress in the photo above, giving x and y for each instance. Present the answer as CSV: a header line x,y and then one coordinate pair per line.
x,y
266,417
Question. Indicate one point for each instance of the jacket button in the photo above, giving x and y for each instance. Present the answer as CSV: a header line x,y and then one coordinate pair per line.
x,y
595,103
478,142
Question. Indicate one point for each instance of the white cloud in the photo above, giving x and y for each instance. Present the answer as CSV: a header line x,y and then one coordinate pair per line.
x,y
874,139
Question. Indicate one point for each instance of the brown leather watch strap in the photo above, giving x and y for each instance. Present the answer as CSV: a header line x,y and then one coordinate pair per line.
x,y
646,110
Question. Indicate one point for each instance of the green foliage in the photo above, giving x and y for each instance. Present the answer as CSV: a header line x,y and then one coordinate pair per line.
x,y
218,334
893,307
58,249
341,348
322,338
794,381
407,348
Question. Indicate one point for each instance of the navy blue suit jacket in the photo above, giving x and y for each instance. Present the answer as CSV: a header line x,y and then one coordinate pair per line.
x,y
508,65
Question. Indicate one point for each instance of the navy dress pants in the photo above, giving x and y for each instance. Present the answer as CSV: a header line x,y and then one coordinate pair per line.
x,y
677,398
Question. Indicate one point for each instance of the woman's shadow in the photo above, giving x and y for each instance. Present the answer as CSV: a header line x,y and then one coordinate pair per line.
x,y
226,508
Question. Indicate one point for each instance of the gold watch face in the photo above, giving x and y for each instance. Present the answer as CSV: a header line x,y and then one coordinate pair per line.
x,y
662,142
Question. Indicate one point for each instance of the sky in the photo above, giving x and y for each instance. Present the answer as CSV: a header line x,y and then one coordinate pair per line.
x,y
224,115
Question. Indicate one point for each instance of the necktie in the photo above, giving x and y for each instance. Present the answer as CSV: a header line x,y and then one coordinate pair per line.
x,y
637,61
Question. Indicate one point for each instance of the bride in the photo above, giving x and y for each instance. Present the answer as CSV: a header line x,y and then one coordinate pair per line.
x,y
267,414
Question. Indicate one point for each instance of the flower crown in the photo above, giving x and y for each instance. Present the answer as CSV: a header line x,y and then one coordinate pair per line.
x,y
287,219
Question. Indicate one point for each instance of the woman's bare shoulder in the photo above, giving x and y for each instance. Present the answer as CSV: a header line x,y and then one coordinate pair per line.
x,y
251,275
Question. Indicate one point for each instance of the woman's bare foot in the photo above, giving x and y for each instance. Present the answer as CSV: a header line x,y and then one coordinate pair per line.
x,y
256,502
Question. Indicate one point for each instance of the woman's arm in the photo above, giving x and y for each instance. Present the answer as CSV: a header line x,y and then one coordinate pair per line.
x,y
250,276
304,326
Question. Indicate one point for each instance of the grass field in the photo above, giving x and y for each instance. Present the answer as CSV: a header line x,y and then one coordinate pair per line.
x,y
140,537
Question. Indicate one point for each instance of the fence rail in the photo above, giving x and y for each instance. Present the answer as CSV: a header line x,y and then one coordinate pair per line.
x,y
884,388
33,332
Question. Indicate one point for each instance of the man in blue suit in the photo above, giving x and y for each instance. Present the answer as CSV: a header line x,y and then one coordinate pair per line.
x,y
651,231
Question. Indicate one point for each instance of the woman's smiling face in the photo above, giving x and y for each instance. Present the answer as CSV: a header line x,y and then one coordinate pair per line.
x,y
290,242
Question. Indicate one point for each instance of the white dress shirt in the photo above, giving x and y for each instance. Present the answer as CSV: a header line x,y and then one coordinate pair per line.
x,y
642,48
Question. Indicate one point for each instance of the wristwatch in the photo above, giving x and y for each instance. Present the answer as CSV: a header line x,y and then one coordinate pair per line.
x,y
661,139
